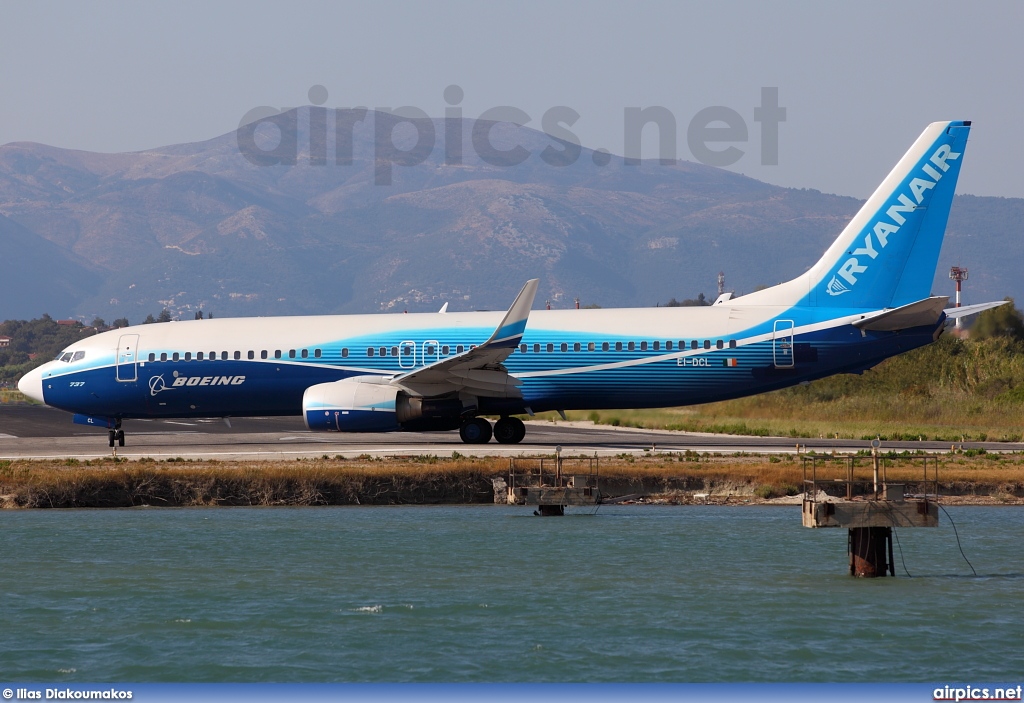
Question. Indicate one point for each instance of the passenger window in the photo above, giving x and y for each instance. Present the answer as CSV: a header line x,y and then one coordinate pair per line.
x,y
305,353
565,347
657,345
522,348
369,351
344,352
576,346
719,344
604,346
618,346
694,344
536,348
431,350
277,353
291,354
223,356
643,346
237,355
263,354
394,351
188,356
383,351
407,350
152,357
78,356
251,354
199,356
459,349
732,343
668,345
174,357
707,343
446,350
591,346
163,356
317,353
551,347
632,346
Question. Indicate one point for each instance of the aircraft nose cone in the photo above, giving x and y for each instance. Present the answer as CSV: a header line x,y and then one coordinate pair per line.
x,y
31,384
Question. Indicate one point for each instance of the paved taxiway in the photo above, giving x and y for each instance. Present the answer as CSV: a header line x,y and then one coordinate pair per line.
x,y
39,432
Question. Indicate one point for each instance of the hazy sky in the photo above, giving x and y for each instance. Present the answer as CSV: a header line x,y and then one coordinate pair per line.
x,y
859,81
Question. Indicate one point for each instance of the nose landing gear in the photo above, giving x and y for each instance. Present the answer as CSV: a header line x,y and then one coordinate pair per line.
x,y
116,435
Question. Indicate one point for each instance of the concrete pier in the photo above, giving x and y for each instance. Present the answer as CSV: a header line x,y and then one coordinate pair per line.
x,y
870,509
550,486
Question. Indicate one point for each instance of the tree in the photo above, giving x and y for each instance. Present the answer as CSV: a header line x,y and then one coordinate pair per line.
x,y
699,301
99,323
149,320
1004,321
164,316
119,323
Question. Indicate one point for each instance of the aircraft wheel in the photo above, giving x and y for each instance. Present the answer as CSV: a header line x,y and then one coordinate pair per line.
x,y
476,431
111,437
120,438
509,430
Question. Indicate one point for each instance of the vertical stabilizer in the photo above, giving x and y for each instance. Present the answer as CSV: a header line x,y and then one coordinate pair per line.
x,y
886,256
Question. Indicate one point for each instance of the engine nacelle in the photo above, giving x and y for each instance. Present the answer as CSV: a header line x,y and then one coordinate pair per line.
x,y
371,404
365,404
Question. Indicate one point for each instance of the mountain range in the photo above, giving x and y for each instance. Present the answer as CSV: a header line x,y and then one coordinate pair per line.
x,y
201,226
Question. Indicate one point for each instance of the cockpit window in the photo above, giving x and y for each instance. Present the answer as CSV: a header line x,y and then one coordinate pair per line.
x,y
79,355
66,357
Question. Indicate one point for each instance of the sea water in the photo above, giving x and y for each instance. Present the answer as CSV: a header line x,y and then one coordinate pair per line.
x,y
491,593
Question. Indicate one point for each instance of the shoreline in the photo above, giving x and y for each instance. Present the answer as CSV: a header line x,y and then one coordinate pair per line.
x,y
683,479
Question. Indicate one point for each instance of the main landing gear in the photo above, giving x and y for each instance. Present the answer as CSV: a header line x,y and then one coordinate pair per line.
x,y
116,435
507,430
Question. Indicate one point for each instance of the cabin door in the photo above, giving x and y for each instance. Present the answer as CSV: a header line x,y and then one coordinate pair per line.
x,y
127,357
782,346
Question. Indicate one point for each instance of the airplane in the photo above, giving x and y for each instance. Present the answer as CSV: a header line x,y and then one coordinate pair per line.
x,y
866,299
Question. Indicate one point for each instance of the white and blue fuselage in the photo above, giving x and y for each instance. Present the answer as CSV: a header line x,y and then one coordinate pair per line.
x,y
868,298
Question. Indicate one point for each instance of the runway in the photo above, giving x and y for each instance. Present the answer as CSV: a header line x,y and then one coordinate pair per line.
x,y
35,432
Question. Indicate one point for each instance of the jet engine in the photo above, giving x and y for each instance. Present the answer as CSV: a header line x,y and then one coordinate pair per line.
x,y
371,404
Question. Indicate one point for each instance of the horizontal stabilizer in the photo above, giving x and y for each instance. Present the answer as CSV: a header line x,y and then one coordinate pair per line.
x,y
923,312
954,313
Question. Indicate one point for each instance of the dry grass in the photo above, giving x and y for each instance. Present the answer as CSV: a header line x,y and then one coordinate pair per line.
x,y
428,479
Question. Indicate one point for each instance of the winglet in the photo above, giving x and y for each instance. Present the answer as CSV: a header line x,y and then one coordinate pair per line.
x,y
512,326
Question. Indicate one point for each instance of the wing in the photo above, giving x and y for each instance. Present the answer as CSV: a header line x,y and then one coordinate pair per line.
x,y
478,370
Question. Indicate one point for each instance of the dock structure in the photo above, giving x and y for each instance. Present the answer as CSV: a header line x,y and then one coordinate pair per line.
x,y
868,507
552,485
